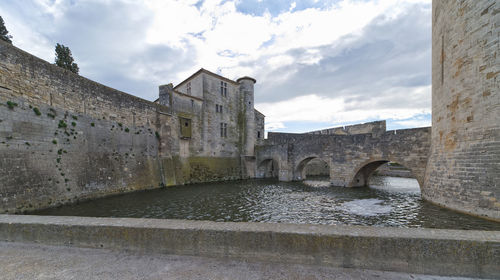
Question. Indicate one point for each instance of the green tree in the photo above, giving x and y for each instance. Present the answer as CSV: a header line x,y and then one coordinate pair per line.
x,y
64,58
4,34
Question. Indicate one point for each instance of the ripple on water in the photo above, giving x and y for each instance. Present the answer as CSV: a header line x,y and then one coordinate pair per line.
x,y
388,201
366,207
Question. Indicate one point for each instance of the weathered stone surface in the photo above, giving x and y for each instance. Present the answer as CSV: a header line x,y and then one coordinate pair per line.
x,y
464,162
70,138
428,251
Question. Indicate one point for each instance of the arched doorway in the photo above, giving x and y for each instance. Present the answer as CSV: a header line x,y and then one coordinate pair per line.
x,y
268,168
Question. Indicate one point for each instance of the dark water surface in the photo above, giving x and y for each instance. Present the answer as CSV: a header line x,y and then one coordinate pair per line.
x,y
389,201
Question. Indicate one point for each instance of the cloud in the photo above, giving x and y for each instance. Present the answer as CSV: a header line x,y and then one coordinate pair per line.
x,y
315,108
315,61
387,53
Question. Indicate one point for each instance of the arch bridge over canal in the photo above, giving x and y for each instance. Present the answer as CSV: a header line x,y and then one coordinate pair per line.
x,y
352,153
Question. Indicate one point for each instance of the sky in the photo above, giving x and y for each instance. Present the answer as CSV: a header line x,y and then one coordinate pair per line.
x,y
318,64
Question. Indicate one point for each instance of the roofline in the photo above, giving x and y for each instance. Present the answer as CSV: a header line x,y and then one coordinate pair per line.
x,y
206,72
258,112
247,78
187,95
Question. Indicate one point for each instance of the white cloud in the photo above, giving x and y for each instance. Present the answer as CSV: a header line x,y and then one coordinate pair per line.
x,y
274,125
340,62
414,123
314,108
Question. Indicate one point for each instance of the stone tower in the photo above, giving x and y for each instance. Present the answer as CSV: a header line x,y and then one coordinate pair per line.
x,y
463,172
246,89
165,97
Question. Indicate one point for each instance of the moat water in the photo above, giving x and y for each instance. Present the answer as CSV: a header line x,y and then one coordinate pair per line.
x,y
389,202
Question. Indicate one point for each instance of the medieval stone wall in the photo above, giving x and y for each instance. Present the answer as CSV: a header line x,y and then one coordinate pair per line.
x,y
65,138
464,167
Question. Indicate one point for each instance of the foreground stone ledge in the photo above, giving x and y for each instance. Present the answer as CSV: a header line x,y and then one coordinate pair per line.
x,y
426,251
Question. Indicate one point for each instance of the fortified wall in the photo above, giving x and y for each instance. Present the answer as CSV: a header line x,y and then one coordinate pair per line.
x,y
65,138
463,172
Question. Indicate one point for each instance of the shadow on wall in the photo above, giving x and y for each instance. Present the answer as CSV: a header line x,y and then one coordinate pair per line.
x,y
316,167
311,164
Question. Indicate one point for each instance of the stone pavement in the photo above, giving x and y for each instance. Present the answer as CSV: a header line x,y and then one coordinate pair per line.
x,y
33,261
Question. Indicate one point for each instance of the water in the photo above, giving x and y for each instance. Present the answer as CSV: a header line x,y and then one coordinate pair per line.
x,y
389,201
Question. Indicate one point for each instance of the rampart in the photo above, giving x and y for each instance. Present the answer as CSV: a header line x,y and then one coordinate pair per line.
x,y
65,138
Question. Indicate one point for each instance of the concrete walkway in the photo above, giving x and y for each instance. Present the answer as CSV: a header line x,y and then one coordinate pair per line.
x,y
32,261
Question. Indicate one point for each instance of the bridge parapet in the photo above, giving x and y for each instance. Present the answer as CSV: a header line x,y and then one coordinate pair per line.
x,y
376,128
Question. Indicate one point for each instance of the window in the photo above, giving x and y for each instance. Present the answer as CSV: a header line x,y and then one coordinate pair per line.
x,y
192,103
185,125
223,130
223,88
218,108
188,87
258,134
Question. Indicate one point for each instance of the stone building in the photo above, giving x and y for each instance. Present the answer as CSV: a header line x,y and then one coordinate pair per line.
x,y
216,116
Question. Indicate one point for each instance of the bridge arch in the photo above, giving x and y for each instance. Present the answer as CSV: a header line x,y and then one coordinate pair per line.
x,y
300,169
268,168
365,170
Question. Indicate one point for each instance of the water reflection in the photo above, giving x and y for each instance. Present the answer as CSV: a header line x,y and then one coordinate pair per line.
x,y
389,201
395,184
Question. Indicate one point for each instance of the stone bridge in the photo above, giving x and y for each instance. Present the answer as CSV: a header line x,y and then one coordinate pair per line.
x,y
351,158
